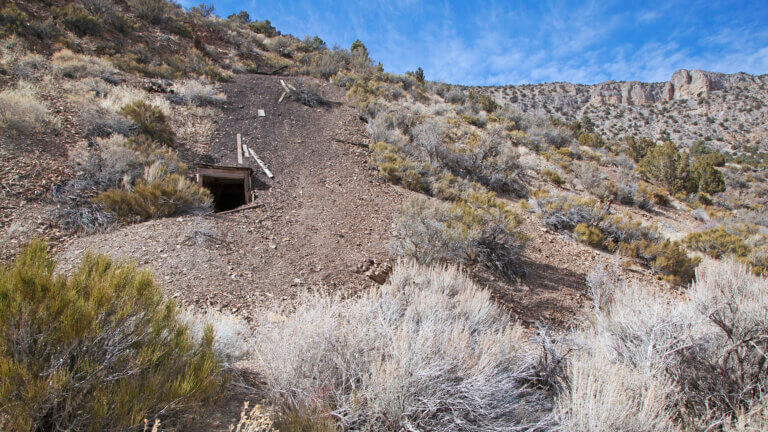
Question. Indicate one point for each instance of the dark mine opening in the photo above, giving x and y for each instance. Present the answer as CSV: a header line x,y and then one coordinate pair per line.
x,y
227,193
230,186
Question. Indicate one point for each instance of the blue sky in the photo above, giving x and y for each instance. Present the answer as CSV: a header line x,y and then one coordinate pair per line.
x,y
512,42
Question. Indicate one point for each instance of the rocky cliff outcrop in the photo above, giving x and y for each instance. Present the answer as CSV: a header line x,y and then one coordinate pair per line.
x,y
729,109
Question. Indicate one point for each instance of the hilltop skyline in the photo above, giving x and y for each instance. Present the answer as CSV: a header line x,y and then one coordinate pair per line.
x,y
498,43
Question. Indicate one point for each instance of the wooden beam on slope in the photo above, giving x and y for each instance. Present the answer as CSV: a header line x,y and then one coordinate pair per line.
x,y
261,164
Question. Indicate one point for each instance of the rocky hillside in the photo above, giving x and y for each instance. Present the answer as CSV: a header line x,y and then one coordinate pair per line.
x,y
728,111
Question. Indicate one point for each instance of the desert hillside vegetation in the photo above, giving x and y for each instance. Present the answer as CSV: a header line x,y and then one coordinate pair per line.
x,y
107,105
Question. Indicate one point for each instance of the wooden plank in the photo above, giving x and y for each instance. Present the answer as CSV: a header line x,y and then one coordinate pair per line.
x,y
239,209
261,164
239,149
224,167
222,175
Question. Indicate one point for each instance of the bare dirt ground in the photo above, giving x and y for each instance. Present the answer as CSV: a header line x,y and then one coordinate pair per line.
x,y
323,214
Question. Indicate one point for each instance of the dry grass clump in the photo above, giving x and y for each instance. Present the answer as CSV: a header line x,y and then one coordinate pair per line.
x,y
157,194
198,93
151,121
607,397
21,111
17,61
128,180
71,65
307,93
693,364
253,420
120,96
427,351
478,229
99,349
233,336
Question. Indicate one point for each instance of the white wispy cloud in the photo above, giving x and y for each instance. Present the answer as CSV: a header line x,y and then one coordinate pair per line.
x,y
500,42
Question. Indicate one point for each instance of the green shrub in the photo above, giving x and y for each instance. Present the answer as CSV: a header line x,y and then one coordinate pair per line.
x,y
179,28
326,63
396,168
623,229
669,167
486,102
156,195
76,18
592,236
553,177
12,19
671,261
108,13
717,242
150,120
650,194
449,187
98,350
152,11
710,179
590,140
263,27
132,64
667,258
564,213
637,148
195,63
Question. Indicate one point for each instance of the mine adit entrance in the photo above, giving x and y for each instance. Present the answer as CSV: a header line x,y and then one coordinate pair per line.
x,y
230,186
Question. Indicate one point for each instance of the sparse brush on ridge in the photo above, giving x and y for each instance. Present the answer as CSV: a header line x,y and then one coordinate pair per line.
x,y
96,350
387,359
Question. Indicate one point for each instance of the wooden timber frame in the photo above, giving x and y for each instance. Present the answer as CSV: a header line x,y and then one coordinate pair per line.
x,y
230,185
